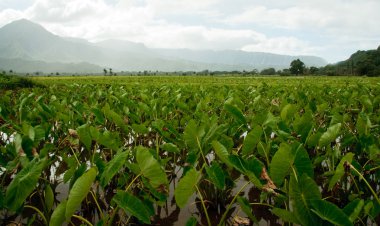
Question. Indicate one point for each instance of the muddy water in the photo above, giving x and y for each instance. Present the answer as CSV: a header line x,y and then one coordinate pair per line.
x,y
171,215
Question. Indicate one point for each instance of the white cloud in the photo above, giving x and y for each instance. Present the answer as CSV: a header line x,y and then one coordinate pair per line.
x,y
95,20
9,15
199,37
335,26
56,11
330,17
282,45
290,18
181,6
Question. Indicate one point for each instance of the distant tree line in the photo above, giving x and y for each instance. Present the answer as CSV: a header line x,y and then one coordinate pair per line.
x,y
13,81
361,63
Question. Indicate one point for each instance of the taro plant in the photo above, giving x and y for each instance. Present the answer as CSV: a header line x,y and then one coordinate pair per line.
x,y
220,151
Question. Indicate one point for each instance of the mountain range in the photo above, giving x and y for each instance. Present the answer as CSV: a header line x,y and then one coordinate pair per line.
x,y
28,47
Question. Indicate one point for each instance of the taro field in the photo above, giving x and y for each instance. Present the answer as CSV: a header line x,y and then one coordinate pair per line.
x,y
190,151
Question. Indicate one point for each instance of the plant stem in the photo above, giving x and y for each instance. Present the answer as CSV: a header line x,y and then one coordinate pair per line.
x,y
200,148
75,156
261,204
265,153
134,179
39,212
295,173
117,207
97,204
366,182
231,203
356,185
204,206
129,218
157,147
373,169
82,219
113,215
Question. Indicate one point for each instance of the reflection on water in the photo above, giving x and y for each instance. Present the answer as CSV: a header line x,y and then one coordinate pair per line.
x,y
170,214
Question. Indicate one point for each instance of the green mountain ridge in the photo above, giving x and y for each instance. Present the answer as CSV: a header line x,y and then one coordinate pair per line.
x,y
36,67
360,63
30,42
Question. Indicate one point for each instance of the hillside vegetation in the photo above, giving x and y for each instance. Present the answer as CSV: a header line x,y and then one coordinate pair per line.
x,y
360,63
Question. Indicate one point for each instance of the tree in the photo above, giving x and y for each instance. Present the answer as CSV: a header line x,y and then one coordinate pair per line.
x,y
297,67
366,67
268,71
284,72
255,71
313,70
105,71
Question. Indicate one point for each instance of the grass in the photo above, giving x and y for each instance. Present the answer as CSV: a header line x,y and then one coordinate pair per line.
x,y
207,80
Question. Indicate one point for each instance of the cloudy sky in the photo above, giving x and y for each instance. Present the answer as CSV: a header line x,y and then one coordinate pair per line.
x,y
332,29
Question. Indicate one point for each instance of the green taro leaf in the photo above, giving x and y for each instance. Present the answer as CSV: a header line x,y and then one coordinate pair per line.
x,y
27,146
49,197
363,124
79,191
375,210
353,209
304,125
237,162
69,174
221,152
330,135
141,129
2,196
246,207
23,184
287,157
115,118
339,171
193,135
39,133
302,162
186,187
216,175
251,140
169,147
132,205
330,212
192,221
281,163
150,168
85,136
285,215
77,173
236,113
374,153
112,167
313,139
98,114
301,193
241,165
288,112
109,139
270,120
58,216
161,196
